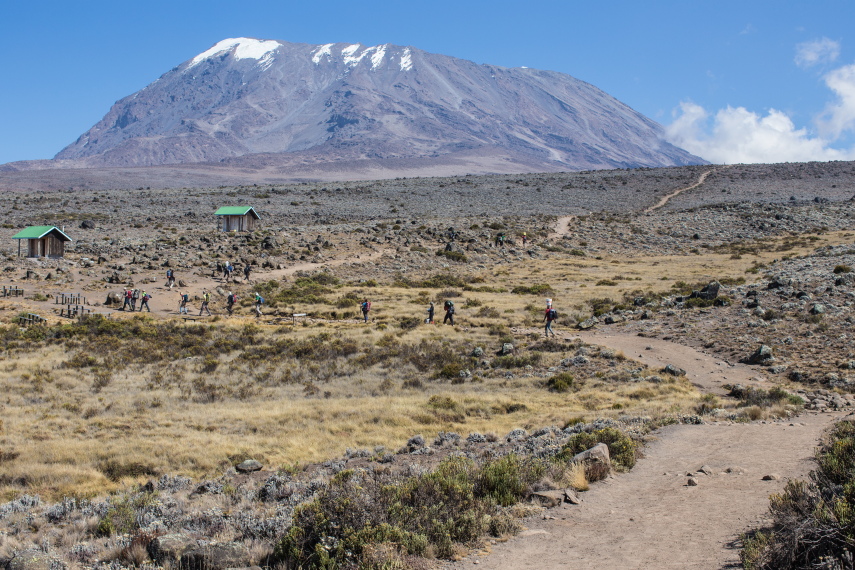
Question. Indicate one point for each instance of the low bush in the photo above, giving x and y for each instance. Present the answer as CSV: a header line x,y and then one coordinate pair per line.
x,y
452,255
622,449
562,382
539,289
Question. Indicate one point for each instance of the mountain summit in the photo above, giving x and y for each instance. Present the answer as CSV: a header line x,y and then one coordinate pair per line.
x,y
343,102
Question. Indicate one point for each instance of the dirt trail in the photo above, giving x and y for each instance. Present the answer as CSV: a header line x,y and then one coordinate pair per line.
x,y
706,372
679,191
650,517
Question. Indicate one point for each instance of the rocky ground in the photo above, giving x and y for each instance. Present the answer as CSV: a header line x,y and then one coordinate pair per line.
x,y
787,321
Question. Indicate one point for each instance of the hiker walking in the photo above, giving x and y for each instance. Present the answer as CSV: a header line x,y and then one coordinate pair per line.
x,y
449,312
430,314
246,270
134,297
230,302
524,238
182,303
229,270
128,296
259,300
144,302
549,316
365,306
226,270
170,278
206,298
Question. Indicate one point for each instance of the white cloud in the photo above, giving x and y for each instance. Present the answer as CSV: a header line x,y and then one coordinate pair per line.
x,y
815,52
839,116
737,135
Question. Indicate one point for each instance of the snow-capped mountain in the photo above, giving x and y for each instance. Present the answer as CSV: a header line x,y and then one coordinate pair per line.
x,y
348,102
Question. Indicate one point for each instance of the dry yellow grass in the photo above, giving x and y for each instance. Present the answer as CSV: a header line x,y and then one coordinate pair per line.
x,y
62,434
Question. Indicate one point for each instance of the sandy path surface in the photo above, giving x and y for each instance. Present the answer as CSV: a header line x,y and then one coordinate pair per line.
x,y
651,518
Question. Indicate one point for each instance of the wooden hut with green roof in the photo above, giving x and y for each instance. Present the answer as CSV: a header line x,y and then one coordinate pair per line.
x,y
43,241
237,218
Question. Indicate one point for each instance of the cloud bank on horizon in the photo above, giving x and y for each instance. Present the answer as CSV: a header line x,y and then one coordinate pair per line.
x,y
736,135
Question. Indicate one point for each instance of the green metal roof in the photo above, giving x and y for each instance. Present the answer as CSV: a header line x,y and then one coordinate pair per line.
x,y
236,211
38,232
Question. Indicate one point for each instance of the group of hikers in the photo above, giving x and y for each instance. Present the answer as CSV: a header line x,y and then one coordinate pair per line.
x,y
131,296
227,269
501,238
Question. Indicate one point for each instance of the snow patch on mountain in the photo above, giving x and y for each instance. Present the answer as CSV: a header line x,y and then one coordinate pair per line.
x,y
244,48
377,56
406,60
324,50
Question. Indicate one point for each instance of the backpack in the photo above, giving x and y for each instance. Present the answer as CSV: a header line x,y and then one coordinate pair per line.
x,y
146,297
136,294
552,314
259,300
450,307
185,297
231,299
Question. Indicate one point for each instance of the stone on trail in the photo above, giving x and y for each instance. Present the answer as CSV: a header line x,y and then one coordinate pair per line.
x,y
572,497
763,355
548,499
248,466
706,470
692,482
674,370
182,283
771,477
588,323
614,319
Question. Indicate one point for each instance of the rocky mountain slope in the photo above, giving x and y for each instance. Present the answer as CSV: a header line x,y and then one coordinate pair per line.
x,y
266,100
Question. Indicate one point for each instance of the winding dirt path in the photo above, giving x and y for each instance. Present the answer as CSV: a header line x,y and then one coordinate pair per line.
x,y
650,517
679,191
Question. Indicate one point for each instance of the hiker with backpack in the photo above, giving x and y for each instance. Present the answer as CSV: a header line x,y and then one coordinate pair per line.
x,y
230,302
259,300
206,298
134,297
182,303
549,316
449,312
246,270
170,278
144,302
365,306
128,296
429,320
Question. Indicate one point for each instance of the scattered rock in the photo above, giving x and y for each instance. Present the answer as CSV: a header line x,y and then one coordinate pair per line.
x,y
673,370
692,482
248,466
771,477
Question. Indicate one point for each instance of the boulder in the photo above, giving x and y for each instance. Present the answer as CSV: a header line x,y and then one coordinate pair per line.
x,y
597,454
248,466
674,370
113,298
87,225
168,549
588,323
507,348
614,319
216,557
763,355
32,559
817,309
548,499
709,292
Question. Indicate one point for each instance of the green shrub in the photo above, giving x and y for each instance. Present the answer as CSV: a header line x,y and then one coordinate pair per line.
x,y
452,255
561,382
540,289
842,269
622,449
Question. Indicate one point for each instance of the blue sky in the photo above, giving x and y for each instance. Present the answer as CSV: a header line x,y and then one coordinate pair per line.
x,y
747,81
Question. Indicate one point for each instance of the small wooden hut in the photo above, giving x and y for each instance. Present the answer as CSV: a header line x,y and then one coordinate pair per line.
x,y
43,241
237,218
